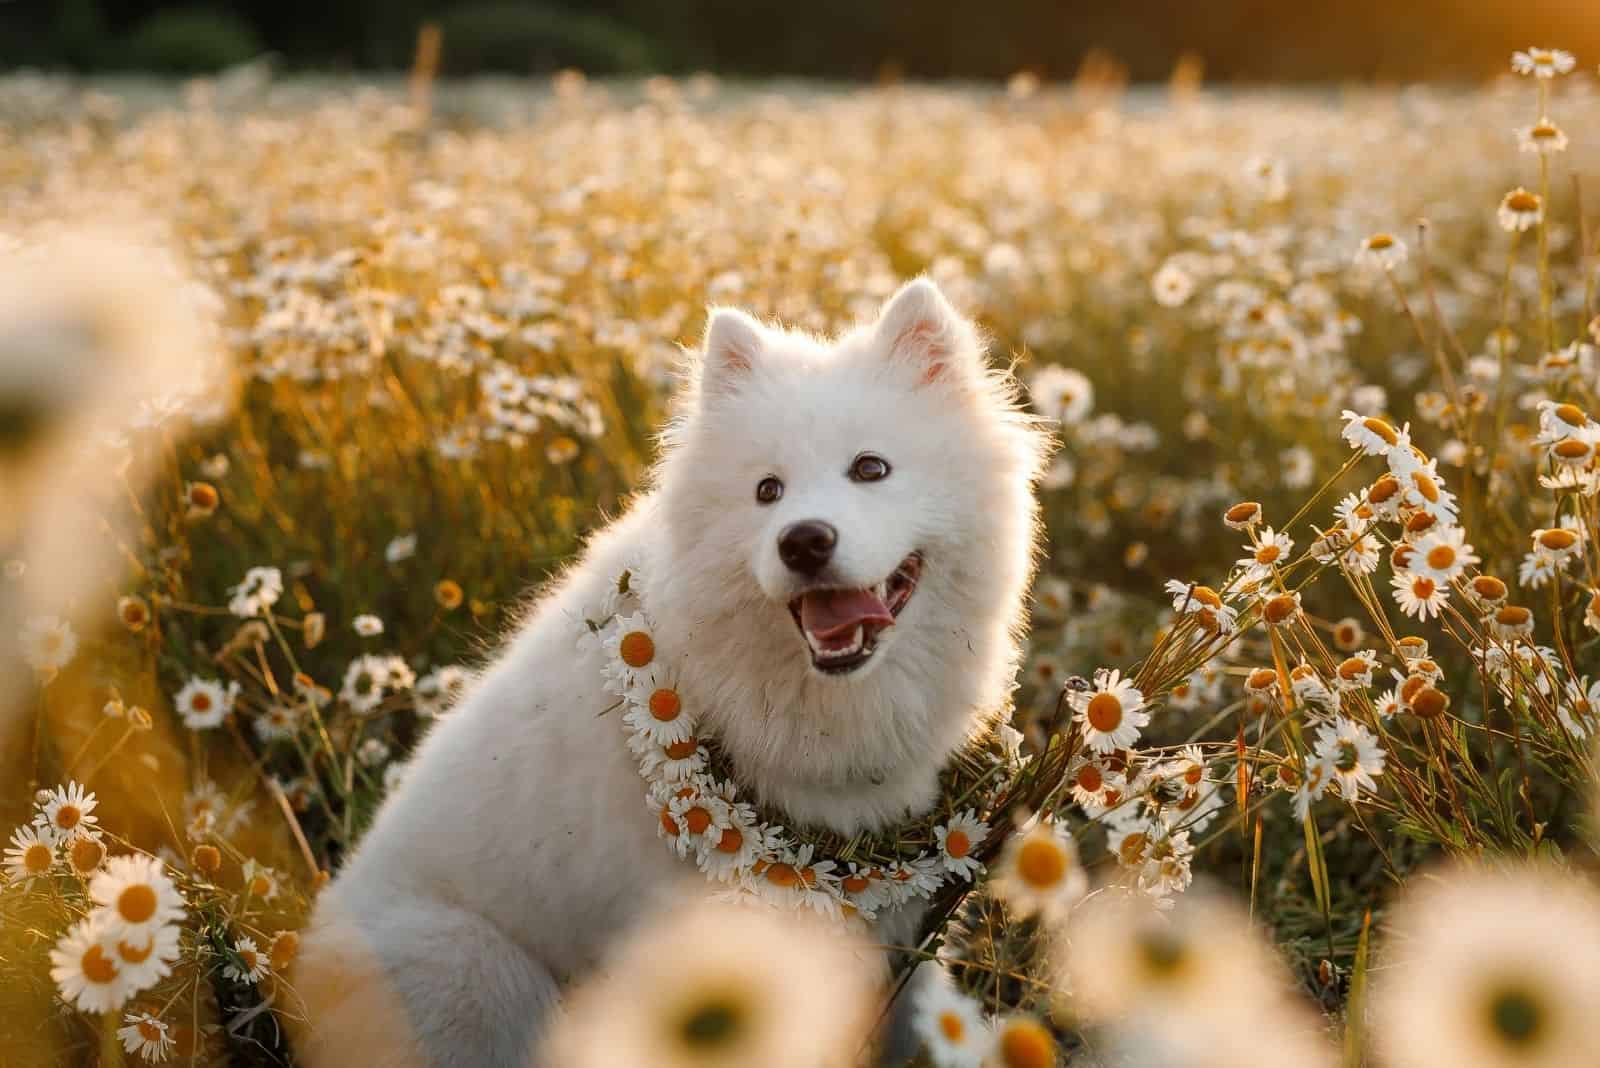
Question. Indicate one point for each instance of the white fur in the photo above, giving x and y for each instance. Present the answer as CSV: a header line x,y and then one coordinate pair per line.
x,y
519,843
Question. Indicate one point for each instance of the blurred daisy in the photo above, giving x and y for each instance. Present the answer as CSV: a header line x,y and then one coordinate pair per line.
x,y
204,703
1062,394
259,591
1039,871
436,691
83,965
367,625
147,1036
400,549
1382,251
48,644
698,988
1543,138
1520,210
67,811
1491,969
1172,285
951,1026
259,880
1542,62
1373,436
1023,1042
1112,713
146,958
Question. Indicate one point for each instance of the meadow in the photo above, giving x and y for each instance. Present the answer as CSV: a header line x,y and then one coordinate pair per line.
x,y
305,388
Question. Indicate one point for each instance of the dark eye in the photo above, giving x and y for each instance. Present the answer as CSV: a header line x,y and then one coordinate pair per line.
x,y
869,467
768,490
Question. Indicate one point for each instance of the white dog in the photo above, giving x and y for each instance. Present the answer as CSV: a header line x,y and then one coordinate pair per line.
x,y
835,550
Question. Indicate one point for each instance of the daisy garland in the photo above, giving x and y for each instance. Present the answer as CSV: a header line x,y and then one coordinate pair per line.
x,y
702,816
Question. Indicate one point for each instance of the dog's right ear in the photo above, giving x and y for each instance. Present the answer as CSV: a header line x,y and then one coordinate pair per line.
x,y
732,347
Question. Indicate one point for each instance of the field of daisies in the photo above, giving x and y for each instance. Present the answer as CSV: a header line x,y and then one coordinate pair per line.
x,y
303,388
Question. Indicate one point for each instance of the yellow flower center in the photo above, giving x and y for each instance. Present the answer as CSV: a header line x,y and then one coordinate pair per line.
x,y
96,966
137,903
1381,428
952,1027
1104,712
1268,553
1571,414
38,858
1426,486
1026,1044
637,648
1041,862
1380,242
957,844
136,954
1441,556
665,705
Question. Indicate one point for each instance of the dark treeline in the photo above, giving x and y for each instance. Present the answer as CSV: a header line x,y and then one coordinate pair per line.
x,y
1237,40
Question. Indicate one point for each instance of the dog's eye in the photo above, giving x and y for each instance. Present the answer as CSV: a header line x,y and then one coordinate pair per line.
x,y
869,467
768,490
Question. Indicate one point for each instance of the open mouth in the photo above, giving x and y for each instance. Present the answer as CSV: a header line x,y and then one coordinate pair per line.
x,y
841,626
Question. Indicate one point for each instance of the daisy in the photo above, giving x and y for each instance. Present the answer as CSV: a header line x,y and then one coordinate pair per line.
x,y
248,964
1419,595
31,855
1558,543
1111,714
1383,251
439,689
367,625
259,591
1090,780
363,684
1543,138
1487,592
1352,754
1520,210
203,703
147,958
83,965
1424,489
259,880
138,893
147,1036
1039,870
1023,1042
951,1026
1204,603
1172,285
67,811
1442,554
1318,774
957,839
48,644
278,722
400,548
1267,550
1242,516
1542,62
1282,609
1062,394
1373,436
629,648
1492,968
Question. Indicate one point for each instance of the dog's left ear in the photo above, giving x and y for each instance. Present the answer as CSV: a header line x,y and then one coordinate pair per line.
x,y
919,326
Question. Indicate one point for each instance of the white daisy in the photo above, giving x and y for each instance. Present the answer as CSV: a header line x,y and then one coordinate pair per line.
x,y
629,648
1373,436
247,964
400,548
364,681
146,1035
48,643
1542,62
657,713
1442,554
203,703
147,958
1062,394
1352,754
1111,714
1039,870
957,839
259,880
31,854
367,625
138,893
1319,773
68,811
951,1026
1382,251
1354,673
259,591
83,965
439,689
1419,595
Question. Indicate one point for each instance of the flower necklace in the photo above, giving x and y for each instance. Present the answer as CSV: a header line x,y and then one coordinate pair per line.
x,y
701,815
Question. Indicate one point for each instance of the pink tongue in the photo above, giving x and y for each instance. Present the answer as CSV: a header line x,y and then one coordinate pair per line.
x,y
832,614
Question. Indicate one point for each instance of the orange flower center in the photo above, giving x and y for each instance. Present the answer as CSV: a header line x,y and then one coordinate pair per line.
x,y
1425,486
854,884
682,750
1244,512
250,959
96,966
952,1026
957,844
1378,426
1268,553
260,886
730,842
67,817
1352,669
1383,489
1132,849
200,702
1090,779
1261,679
783,875
669,824
284,949
697,820
1429,702
637,648
1558,540
1041,862
137,903
87,854
1280,609
1440,557
136,954
1512,616
1571,449
1104,712
1026,1044
1571,414
1194,774
665,705
1522,201
149,1030
38,858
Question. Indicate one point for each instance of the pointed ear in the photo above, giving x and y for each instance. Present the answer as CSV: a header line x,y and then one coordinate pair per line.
x,y
732,346
919,326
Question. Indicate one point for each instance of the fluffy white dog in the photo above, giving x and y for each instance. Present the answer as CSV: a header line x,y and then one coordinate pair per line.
x,y
835,550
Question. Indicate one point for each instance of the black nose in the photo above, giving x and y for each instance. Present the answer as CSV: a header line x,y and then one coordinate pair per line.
x,y
807,546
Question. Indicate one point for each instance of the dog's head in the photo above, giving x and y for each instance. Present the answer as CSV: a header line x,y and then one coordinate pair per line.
x,y
850,522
